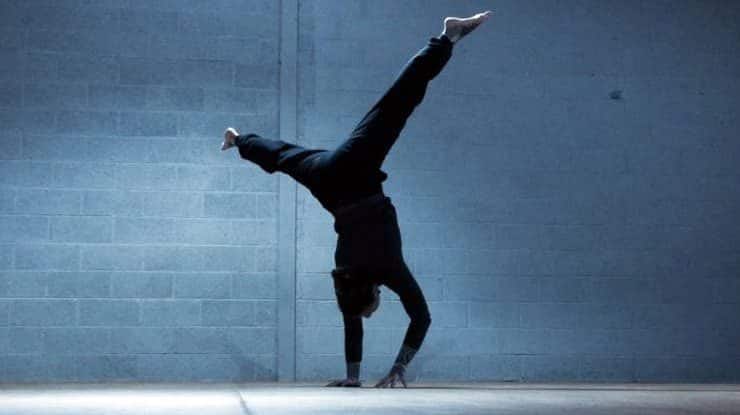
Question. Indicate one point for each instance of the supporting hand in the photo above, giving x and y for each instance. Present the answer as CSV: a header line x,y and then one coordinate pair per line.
x,y
394,377
349,382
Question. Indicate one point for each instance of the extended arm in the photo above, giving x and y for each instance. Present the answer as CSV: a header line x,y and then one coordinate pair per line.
x,y
353,334
415,305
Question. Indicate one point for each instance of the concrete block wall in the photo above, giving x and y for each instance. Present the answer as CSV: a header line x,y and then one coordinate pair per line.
x,y
131,248
568,191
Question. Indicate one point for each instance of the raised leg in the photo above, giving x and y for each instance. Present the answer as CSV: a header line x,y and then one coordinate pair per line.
x,y
372,138
277,155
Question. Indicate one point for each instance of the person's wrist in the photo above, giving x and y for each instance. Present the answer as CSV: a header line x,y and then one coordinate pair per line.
x,y
353,370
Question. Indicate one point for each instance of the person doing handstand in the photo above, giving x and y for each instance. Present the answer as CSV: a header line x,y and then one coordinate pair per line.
x,y
347,181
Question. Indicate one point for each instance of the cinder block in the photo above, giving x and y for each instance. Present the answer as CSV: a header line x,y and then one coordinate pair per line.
x,y
256,76
6,256
25,283
55,96
495,368
202,285
440,367
44,121
315,233
203,178
106,368
248,232
4,340
172,313
230,205
23,340
174,99
81,229
138,340
79,284
5,307
315,287
249,179
85,175
14,68
686,369
146,176
267,206
563,289
141,284
48,202
113,97
314,259
310,367
202,340
543,368
266,258
87,122
43,313
686,291
39,67
200,258
446,341
146,22
73,340
47,257
24,229
229,313
23,368
194,367
490,314
320,340
136,230
618,369
10,145
148,123
134,203
255,285
449,314
112,257
205,73
148,71
12,95
251,341
112,312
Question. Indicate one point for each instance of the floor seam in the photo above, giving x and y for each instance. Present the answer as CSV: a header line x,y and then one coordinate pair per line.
x,y
243,403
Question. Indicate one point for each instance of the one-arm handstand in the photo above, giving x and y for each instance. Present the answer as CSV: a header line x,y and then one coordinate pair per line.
x,y
348,183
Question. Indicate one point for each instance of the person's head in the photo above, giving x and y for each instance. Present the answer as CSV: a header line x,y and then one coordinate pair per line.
x,y
356,297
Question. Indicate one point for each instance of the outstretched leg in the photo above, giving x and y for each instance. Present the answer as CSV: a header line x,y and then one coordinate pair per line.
x,y
373,137
276,155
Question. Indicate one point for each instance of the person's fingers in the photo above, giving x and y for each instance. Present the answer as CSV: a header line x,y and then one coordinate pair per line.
x,y
403,381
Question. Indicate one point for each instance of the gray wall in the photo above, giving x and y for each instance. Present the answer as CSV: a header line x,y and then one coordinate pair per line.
x,y
568,191
131,247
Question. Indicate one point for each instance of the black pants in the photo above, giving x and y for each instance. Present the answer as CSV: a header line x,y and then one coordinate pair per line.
x,y
352,170
369,236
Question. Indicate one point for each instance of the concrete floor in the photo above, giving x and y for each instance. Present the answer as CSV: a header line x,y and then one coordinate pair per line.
x,y
296,399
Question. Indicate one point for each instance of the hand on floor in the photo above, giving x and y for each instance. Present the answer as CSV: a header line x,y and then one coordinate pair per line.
x,y
393,378
352,383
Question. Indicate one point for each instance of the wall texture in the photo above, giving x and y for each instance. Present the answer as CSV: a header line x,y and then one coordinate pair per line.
x,y
568,191
131,247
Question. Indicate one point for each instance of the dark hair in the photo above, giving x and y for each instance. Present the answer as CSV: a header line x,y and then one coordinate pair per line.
x,y
353,294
